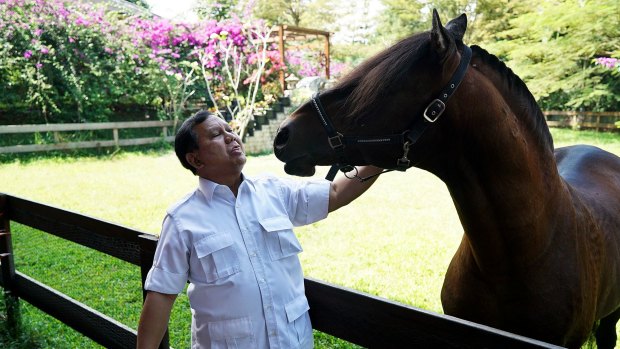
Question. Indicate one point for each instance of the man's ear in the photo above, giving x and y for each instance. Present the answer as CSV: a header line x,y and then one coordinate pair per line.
x,y
193,160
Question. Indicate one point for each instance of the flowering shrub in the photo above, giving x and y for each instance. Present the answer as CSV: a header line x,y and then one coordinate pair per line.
x,y
607,62
75,62
305,63
243,58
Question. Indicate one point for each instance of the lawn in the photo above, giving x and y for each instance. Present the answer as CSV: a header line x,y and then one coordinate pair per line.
x,y
395,241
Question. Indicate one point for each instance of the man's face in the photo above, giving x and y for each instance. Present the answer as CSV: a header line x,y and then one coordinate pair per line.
x,y
220,151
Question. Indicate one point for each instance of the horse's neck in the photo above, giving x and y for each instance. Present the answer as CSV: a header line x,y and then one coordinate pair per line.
x,y
502,182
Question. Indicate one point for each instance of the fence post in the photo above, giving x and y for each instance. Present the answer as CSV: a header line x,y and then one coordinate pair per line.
x,y
148,244
115,135
574,122
7,269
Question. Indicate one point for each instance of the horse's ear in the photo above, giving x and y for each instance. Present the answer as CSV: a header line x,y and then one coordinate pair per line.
x,y
441,39
457,27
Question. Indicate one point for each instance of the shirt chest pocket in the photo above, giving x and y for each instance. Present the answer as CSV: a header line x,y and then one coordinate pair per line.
x,y
280,238
217,256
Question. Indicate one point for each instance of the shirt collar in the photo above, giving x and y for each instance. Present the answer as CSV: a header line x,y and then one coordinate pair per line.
x,y
207,187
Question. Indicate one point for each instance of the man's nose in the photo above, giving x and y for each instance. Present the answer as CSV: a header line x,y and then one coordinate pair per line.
x,y
230,138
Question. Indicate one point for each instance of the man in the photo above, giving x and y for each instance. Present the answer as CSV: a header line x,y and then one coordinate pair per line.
x,y
232,238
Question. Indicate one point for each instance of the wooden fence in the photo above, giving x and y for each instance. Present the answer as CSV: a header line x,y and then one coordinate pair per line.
x,y
354,316
113,141
605,121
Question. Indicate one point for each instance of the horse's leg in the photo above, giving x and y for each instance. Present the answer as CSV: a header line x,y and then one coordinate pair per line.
x,y
606,331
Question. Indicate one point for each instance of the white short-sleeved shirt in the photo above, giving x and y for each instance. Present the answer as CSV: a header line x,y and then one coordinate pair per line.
x,y
240,256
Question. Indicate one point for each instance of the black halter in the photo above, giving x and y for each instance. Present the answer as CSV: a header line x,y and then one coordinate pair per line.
x,y
409,137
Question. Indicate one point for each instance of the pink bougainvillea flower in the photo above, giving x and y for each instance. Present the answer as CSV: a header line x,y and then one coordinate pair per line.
x,y
608,62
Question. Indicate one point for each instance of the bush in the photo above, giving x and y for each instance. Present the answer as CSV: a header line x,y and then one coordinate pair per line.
x,y
72,62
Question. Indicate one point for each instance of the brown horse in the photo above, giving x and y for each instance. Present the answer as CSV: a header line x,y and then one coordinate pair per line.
x,y
540,254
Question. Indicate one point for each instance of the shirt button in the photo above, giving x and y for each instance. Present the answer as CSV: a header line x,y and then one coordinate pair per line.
x,y
261,280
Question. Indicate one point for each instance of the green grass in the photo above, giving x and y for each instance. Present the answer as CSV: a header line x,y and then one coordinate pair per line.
x,y
394,242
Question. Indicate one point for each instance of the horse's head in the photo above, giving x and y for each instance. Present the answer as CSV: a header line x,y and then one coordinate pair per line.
x,y
374,114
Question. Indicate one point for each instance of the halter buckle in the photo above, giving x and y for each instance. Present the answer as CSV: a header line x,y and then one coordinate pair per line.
x,y
434,110
336,141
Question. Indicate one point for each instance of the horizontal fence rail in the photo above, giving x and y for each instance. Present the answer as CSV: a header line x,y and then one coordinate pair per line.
x,y
58,144
348,314
583,120
91,323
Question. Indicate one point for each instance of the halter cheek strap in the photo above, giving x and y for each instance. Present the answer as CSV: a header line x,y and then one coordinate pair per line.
x,y
435,108
431,114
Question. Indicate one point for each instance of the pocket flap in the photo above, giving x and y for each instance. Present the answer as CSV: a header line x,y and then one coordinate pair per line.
x,y
296,308
212,243
276,223
234,328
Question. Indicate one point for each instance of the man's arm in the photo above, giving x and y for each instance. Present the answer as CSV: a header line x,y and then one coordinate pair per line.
x,y
344,190
154,319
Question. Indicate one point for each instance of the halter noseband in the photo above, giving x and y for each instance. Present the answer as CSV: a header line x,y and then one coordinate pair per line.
x,y
432,112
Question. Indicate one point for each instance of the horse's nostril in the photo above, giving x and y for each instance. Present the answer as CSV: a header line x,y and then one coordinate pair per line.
x,y
281,138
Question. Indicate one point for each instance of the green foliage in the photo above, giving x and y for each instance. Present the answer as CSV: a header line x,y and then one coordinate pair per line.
x,y
216,9
553,46
71,62
492,17
401,19
281,11
68,64
75,62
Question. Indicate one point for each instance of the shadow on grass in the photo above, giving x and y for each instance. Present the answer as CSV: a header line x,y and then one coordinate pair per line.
x,y
13,334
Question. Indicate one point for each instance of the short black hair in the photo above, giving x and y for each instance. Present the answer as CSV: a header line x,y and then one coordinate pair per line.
x,y
186,139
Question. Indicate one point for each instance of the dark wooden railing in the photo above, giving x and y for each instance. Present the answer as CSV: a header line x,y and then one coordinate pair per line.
x,y
348,314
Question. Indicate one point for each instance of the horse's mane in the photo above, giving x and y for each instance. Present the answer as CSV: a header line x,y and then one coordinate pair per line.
x,y
380,75
377,76
522,102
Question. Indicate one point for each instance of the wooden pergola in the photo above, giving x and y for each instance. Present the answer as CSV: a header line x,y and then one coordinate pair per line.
x,y
287,33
